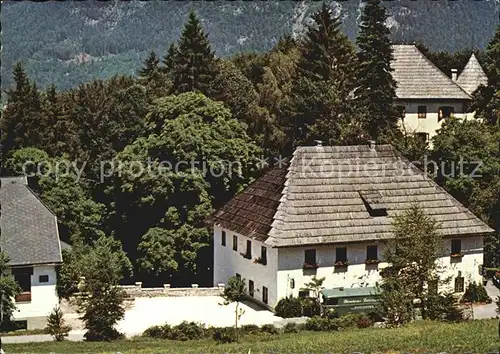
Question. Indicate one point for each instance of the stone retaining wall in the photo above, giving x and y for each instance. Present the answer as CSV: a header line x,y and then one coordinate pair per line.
x,y
138,291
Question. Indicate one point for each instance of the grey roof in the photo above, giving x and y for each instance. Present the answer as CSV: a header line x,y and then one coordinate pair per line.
x,y
29,230
418,78
320,200
472,76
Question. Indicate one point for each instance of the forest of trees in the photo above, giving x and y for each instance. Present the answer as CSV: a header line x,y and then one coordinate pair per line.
x,y
189,105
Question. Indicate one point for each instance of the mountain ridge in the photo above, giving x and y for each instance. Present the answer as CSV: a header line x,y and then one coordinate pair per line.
x,y
67,43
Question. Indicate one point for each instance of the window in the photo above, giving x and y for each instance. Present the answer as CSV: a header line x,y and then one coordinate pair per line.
x,y
264,295
23,278
332,301
235,243
248,253
456,246
223,238
459,284
341,254
43,279
263,255
251,290
422,111
371,252
422,137
238,276
445,112
303,294
310,257
401,111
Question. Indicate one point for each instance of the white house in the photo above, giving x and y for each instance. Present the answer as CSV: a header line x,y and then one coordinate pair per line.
x,y
329,214
426,96
31,241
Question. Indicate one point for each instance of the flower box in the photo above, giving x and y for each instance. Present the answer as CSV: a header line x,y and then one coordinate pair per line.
x,y
246,255
341,264
259,260
310,266
456,255
372,261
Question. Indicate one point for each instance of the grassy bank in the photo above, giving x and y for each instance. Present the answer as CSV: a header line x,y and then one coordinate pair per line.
x,y
473,336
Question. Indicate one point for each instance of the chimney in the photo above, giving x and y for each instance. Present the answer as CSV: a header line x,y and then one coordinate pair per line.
x,y
372,144
319,143
454,74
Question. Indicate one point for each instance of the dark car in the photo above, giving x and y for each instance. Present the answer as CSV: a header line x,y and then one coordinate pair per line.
x,y
496,280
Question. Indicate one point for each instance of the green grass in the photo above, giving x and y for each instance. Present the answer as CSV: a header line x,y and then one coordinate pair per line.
x,y
420,337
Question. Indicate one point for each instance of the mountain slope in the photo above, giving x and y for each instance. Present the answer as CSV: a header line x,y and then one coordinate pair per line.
x,y
71,42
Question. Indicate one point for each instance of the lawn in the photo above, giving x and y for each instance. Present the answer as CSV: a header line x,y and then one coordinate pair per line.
x,y
479,336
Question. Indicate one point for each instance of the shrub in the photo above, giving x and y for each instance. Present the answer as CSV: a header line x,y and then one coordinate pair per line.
x,y
498,305
250,329
365,321
355,320
289,307
443,308
269,329
160,332
318,323
55,325
310,307
291,327
187,331
224,335
476,293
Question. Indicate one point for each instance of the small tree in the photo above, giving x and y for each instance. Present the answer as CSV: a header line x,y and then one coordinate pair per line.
x,y
101,302
8,290
235,292
56,325
315,285
412,255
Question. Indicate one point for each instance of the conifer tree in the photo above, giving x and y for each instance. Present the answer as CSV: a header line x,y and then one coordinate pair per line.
x,y
169,58
376,87
194,66
321,106
150,67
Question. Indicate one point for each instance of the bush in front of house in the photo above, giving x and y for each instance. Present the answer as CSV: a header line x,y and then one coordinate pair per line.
x,y
354,320
269,329
292,327
443,308
318,323
158,332
289,307
187,331
56,326
310,307
224,335
476,292
250,329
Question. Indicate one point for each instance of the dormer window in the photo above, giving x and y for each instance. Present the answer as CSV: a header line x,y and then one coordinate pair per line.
x,y
374,203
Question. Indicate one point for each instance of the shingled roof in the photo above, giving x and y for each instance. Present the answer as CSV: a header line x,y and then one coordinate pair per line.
x,y
472,76
418,78
29,230
320,200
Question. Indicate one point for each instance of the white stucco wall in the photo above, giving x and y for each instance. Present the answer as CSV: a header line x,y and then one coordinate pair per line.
x,y
228,262
358,274
430,123
43,296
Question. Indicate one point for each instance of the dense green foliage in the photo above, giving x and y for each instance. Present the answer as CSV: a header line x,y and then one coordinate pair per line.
x,y
411,255
289,307
70,43
56,326
147,158
476,292
9,289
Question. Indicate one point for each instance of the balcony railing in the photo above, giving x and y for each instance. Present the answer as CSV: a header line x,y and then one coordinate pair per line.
x,y
23,297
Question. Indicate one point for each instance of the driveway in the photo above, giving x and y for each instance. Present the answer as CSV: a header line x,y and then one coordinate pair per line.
x,y
488,310
208,310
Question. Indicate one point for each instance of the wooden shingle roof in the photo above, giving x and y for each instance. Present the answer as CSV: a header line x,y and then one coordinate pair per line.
x,y
418,78
29,230
472,76
318,201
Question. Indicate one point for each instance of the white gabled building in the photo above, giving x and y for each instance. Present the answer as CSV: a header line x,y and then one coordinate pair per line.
x,y
329,215
30,239
426,96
